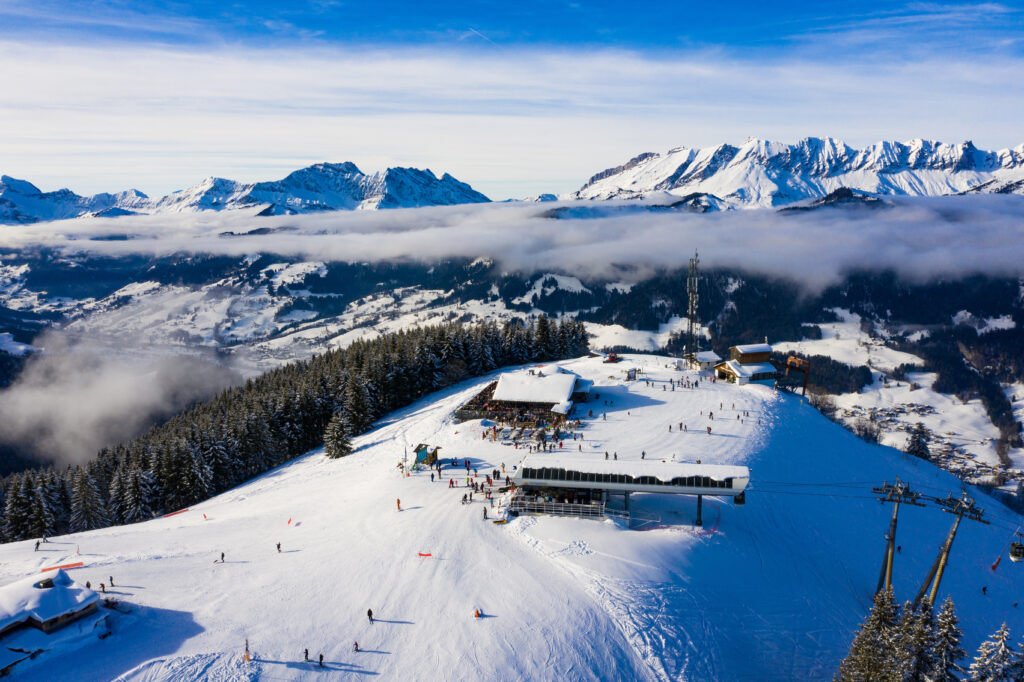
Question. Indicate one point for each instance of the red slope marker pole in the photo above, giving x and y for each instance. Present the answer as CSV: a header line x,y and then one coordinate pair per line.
x,y
180,511
426,554
77,564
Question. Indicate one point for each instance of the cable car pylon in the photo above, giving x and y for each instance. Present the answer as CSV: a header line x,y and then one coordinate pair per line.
x,y
963,507
897,493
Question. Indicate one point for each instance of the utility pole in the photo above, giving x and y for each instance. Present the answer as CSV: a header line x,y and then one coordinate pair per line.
x,y
692,318
897,493
964,507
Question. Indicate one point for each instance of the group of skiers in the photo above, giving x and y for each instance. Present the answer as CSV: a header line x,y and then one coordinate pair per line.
x,y
305,652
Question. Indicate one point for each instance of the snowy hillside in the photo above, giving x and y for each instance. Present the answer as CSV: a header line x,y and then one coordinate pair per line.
x,y
772,590
760,173
320,187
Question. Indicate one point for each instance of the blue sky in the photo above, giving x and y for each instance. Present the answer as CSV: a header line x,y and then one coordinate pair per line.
x,y
739,25
516,98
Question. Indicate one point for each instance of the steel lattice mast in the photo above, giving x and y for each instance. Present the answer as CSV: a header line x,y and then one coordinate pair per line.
x,y
692,321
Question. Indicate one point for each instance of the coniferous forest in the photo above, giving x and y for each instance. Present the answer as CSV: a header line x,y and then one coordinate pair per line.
x,y
269,420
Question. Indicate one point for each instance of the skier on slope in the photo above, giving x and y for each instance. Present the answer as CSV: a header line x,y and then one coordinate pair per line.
x,y
355,647
485,513
279,548
369,614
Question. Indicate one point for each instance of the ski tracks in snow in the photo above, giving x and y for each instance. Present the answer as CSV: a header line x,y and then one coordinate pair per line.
x,y
639,610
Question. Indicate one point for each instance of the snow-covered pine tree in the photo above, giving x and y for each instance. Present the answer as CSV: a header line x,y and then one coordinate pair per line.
x,y
115,495
138,496
918,443
357,406
41,521
544,338
995,660
871,655
946,652
337,436
17,509
914,642
87,511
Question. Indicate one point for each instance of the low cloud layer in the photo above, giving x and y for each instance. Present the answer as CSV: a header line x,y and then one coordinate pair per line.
x,y
919,238
75,398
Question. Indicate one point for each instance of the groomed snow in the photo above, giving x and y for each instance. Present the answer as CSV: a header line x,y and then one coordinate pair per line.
x,y
772,590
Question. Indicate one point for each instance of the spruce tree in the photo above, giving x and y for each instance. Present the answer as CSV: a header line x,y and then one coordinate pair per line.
x,y
915,642
139,496
918,443
871,656
337,438
357,406
87,512
41,521
946,652
995,660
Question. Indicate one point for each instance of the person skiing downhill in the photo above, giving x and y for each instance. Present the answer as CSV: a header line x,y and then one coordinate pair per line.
x,y
355,647
305,654
279,548
369,614
485,513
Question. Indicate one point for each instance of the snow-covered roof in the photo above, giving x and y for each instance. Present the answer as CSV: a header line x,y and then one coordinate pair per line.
x,y
749,370
562,408
663,471
22,600
754,348
555,387
707,356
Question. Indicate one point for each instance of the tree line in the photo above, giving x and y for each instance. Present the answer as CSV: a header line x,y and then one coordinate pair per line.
x,y
914,644
273,418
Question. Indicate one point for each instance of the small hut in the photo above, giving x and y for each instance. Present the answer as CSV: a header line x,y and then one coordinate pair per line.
x,y
45,603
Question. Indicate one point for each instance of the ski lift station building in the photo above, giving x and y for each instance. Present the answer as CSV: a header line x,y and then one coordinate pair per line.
x,y
544,483
748,364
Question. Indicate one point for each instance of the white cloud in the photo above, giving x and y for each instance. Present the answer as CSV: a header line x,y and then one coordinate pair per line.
x,y
920,238
508,121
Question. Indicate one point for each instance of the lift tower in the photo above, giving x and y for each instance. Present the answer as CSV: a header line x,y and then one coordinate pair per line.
x,y
963,507
692,320
897,493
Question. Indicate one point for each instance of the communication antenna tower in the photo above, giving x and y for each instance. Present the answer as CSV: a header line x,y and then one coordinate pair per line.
x,y
692,319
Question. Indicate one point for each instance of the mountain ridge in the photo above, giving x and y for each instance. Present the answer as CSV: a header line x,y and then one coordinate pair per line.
x,y
762,173
319,187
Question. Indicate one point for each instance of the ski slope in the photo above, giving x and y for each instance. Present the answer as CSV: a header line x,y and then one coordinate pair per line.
x,y
772,590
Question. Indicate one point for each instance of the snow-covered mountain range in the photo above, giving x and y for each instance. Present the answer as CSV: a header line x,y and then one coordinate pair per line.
x,y
759,173
320,187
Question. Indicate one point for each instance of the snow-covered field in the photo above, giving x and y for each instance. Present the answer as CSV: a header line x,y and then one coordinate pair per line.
x,y
772,590
612,335
899,405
